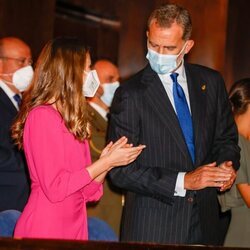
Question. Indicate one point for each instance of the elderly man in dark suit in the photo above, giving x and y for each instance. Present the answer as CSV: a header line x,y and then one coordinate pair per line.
x,y
181,112
14,187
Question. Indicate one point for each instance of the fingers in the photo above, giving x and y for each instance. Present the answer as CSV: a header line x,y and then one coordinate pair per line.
x,y
123,140
213,164
106,149
208,176
108,146
131,158
227,165
132,152
228,184
119,143
125,155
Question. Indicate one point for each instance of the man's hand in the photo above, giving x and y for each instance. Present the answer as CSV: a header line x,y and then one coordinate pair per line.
x,y
209,176
228,165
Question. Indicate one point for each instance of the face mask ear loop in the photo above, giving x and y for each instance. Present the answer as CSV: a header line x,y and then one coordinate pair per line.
x,y
183,48
6,74
177,58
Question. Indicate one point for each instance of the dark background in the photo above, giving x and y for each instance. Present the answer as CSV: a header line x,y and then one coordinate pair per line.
x,y
115,29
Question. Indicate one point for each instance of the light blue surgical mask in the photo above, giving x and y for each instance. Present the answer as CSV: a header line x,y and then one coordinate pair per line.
x,y
108,92
164,64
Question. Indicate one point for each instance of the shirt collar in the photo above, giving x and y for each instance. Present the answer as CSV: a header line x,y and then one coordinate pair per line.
x,y
9,93
99,109
6,89
181,71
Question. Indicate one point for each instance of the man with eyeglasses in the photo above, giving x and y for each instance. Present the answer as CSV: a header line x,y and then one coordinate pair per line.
x,y
15,56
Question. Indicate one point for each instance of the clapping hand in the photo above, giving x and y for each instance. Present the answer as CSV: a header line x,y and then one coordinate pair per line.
x,y
121,153
210,175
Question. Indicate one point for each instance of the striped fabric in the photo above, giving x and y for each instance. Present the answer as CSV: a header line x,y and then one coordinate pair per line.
x,y
142,111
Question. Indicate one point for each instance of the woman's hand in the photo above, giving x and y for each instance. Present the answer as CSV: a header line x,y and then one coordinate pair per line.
x,y
113,155
121,153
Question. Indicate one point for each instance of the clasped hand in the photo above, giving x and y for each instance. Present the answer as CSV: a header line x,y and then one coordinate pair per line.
x,y
211,175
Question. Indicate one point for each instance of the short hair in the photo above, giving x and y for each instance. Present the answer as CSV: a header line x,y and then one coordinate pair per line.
x,y
239,96
167,14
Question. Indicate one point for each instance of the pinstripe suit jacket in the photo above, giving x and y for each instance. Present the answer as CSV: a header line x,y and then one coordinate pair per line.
x,y
142,111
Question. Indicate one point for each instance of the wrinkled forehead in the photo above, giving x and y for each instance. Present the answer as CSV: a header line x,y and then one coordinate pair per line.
x,y
165,36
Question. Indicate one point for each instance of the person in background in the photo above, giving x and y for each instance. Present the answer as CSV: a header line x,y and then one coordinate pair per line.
x,y
182,113
238,197
108,74
52,128
15,74
109,208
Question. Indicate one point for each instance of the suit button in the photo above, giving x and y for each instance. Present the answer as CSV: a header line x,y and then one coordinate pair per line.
x,y
190,199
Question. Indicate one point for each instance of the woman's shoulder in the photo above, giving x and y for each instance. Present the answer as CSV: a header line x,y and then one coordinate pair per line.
x,y
245,153
245,147
44,112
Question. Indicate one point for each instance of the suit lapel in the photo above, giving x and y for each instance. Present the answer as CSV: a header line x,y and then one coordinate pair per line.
x,y
7,102
158,99
197,95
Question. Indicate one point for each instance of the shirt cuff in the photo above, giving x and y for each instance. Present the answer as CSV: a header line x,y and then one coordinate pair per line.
x,y
179,186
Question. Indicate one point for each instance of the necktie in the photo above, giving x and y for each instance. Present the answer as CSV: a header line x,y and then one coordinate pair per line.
x,y
18,99
183,114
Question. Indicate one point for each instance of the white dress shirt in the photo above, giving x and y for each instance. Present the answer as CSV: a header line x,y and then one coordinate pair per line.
x,y
9,93
168,85
99,109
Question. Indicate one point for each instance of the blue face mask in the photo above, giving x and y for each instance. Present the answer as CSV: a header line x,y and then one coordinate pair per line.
x,y
164,64
108,92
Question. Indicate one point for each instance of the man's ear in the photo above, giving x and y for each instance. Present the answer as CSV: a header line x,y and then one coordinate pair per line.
x,y
189,46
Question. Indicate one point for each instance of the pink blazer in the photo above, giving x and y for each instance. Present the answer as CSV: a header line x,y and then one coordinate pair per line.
x,y
60,184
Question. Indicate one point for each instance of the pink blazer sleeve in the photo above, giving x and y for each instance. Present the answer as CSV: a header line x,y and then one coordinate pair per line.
x,y
44,141
93,191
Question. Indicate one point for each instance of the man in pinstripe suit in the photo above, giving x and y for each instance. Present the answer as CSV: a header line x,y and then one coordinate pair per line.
x,y
171,197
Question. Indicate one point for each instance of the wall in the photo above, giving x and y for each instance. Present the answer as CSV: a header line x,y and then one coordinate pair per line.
x,y
31,20
116,29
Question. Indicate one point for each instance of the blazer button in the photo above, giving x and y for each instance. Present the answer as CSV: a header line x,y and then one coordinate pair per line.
x,y
190,199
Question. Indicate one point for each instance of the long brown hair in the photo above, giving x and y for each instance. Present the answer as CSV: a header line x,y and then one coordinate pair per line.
x,y
59,77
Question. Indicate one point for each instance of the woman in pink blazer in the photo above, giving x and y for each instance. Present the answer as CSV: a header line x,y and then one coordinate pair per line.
x,y
52,128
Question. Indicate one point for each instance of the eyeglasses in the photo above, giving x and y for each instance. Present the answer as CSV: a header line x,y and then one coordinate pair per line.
x,y
21,61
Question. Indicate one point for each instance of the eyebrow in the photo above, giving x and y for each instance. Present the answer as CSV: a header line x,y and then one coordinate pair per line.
x,y
165,47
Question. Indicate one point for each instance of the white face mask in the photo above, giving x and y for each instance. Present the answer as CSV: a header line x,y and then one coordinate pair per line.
x,y
21,78
164,64
108,92
91,83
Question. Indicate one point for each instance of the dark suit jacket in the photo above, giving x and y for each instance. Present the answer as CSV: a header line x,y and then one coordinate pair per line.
x,y
142,111
14,187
